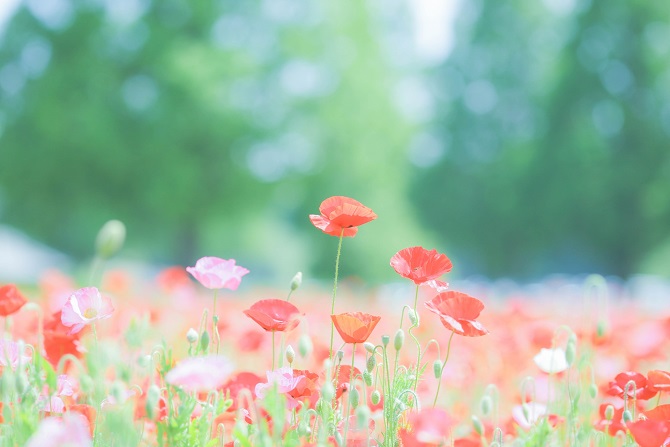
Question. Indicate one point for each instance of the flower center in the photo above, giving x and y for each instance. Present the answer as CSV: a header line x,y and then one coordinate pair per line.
x,y
90,313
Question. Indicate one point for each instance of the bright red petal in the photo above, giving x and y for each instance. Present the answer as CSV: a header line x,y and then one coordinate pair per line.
x,y
11,300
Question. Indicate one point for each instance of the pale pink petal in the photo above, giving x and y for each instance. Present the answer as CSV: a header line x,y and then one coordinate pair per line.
x,y
72,429
200,373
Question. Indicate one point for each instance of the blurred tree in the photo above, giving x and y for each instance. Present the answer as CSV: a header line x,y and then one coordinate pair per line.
x,y
558,128
208,127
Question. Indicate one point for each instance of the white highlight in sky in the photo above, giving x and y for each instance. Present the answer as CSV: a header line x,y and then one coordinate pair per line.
x,y
434,28
7,8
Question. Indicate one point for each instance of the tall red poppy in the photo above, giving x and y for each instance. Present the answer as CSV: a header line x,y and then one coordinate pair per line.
x,y
355,327
650,433
11,300
640,391
340,213
274,315
420,265
458,312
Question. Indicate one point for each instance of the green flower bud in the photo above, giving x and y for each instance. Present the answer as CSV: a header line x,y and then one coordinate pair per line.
x,y
144,360
627,416
385,340
486,405
305,346
370,347
413,317
362,417
367,378
328,391
609,412
354,397
110,239
601,328
204,341
375,397
437,369
478,426
526,411
370,364
22,383
399,339
118,392
339,355
192,336
593,391
151,404
290,354
338,438
296,281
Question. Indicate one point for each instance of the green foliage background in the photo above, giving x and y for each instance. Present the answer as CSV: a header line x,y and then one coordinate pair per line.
x,y
541,144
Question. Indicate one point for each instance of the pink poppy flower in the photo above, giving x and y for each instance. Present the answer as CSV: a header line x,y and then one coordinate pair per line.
x,y
217,273
56,432
10,355
426,428
84,307
200,373
285,381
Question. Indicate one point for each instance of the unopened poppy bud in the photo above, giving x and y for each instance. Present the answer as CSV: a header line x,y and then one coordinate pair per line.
x,y
305,345
413,317
370,347
328,391
400,405
290,354
399,339
153,395
486,404
362,416
110,238
204,341
609,412
192,335
144,360
385,340
375,397
627,416
526,411
296,281
437,369
478,426
601,328
339,355
367,378
370,364
354,397
570,352
572,338
593,391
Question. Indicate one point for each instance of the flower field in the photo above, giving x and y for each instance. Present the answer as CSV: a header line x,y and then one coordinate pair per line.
x,y
187,359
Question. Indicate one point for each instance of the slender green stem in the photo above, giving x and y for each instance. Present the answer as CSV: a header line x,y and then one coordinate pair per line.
x,y
332,305
273,350
351,388
442,368
215,324
95,336
418,345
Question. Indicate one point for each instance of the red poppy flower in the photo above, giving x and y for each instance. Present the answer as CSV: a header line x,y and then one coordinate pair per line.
x,y
420,265
640,391
307,388
340,213
613,426
342,379
238,382
355,327
458,312
11,300
650,433
659,413
274,315
658,380
427,428
58,341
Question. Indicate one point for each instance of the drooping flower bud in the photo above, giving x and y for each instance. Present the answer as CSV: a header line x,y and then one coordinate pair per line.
x,y
593,391
370,364
370,347
354,397
204,341
375,397
110,239
478,426
437,369
367,378
413,317
151,404
570,352
305,346
339,355
486,405
627,416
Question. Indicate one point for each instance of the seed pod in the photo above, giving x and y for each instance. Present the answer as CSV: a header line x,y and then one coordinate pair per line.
x,y
399,339
385,340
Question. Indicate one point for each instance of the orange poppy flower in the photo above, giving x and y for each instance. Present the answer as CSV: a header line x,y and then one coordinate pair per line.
x,y
274,315
341,215
458,312
420,265
11,300
355,327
